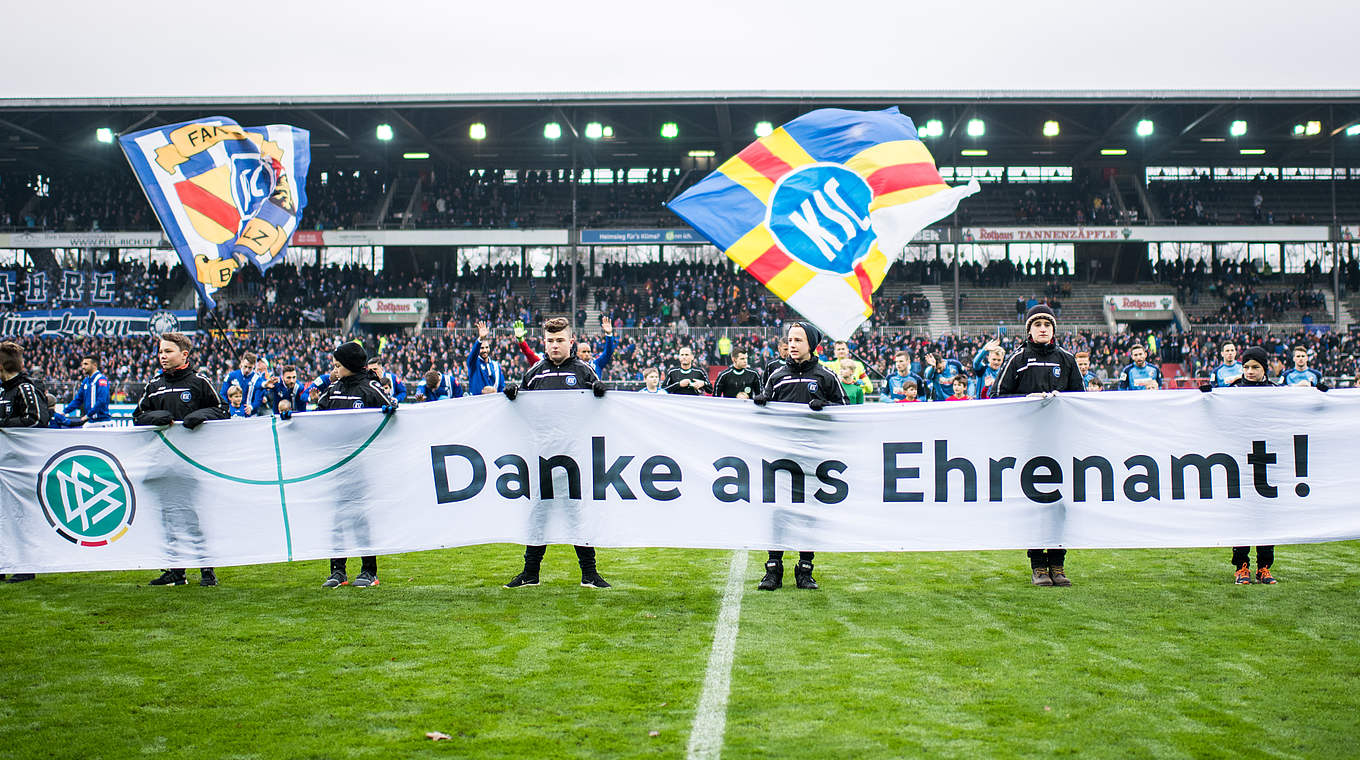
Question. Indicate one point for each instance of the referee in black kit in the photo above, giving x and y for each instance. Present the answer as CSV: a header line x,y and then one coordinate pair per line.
x,y
559,370
801,380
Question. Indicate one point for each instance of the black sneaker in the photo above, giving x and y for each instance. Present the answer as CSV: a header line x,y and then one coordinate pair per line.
x,y
336,580
21,577
774,576
206,577
365,579
802,575
593,580
523,579
170,578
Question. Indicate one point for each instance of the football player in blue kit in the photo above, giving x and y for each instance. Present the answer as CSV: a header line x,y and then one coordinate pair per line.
x,y
1231,369
1140,375
1302,374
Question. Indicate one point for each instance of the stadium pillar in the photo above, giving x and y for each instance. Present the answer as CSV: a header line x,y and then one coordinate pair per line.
x,y
956,289
575,237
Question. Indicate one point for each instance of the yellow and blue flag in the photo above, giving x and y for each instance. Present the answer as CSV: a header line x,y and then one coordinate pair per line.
x,y
819,209
226,195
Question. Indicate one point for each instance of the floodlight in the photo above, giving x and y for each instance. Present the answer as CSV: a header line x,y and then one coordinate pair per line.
x,y
384,132
764,128
1237,128
477,131
1050,129
594,130
1145,128
670,130
552,130
104,135
976,128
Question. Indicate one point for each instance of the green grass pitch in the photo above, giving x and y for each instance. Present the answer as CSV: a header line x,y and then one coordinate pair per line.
x,y
1151,654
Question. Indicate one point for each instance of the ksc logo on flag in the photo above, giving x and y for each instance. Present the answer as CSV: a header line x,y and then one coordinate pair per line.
x,y
225,194
819,209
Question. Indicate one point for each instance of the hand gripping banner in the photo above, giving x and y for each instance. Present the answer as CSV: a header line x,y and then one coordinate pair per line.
x,y
1162,469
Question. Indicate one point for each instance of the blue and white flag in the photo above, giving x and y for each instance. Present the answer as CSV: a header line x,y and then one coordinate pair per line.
x,y
226,195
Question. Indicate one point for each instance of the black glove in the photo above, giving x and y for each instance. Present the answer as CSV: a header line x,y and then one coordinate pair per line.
x,y
195,418
511,391
598,388
389,409
761,399
1206,388
1323,387
157,418
286,414
76,422
816,405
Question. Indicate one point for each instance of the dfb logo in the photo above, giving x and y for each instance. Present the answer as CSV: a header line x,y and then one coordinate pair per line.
x,y
819,214
86,496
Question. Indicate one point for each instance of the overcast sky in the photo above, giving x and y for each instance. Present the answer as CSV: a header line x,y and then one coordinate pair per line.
x,y
173,48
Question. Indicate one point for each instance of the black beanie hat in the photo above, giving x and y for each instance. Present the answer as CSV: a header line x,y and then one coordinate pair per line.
x,y
814,336
1258,355
1037,311
351,356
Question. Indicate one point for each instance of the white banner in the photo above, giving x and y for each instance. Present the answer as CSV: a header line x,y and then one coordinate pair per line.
x,y
1141,303
1232,467
1149,234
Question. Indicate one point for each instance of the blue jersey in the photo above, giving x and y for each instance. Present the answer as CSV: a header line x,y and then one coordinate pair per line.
x,y
237,411
894,386
484,374
442,390
600,362
297,396
941,382
1308,376
1225,374
1088,377
398,387
984,377
1130,375
92,398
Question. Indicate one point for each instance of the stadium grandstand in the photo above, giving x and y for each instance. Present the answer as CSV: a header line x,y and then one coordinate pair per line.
x,y
1241,212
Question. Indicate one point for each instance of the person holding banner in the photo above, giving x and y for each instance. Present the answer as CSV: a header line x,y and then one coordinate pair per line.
x,y
21,406
179,395
1254,363
803,380
1039,367
93,397
558,371
354,385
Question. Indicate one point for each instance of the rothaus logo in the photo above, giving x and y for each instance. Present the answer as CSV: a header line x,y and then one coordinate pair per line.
x,y
86,496
819,214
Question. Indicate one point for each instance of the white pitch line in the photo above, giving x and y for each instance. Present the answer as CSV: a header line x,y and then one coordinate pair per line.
x,y
710,718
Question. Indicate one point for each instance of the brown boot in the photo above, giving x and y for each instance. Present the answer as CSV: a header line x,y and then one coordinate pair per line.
x,y
1041,577
1059,578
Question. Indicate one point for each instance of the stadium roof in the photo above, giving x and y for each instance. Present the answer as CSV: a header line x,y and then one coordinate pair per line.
x,y
1186,130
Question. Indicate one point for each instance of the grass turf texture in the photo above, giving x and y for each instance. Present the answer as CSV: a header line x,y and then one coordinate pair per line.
x,y
1151,654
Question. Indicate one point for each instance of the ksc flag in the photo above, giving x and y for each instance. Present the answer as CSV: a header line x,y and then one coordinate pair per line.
x,y
225,194
819,209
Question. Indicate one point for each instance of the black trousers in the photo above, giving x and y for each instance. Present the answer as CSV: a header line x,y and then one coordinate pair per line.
x,y
367,564
533,557
1046,557
778,555
1265,556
